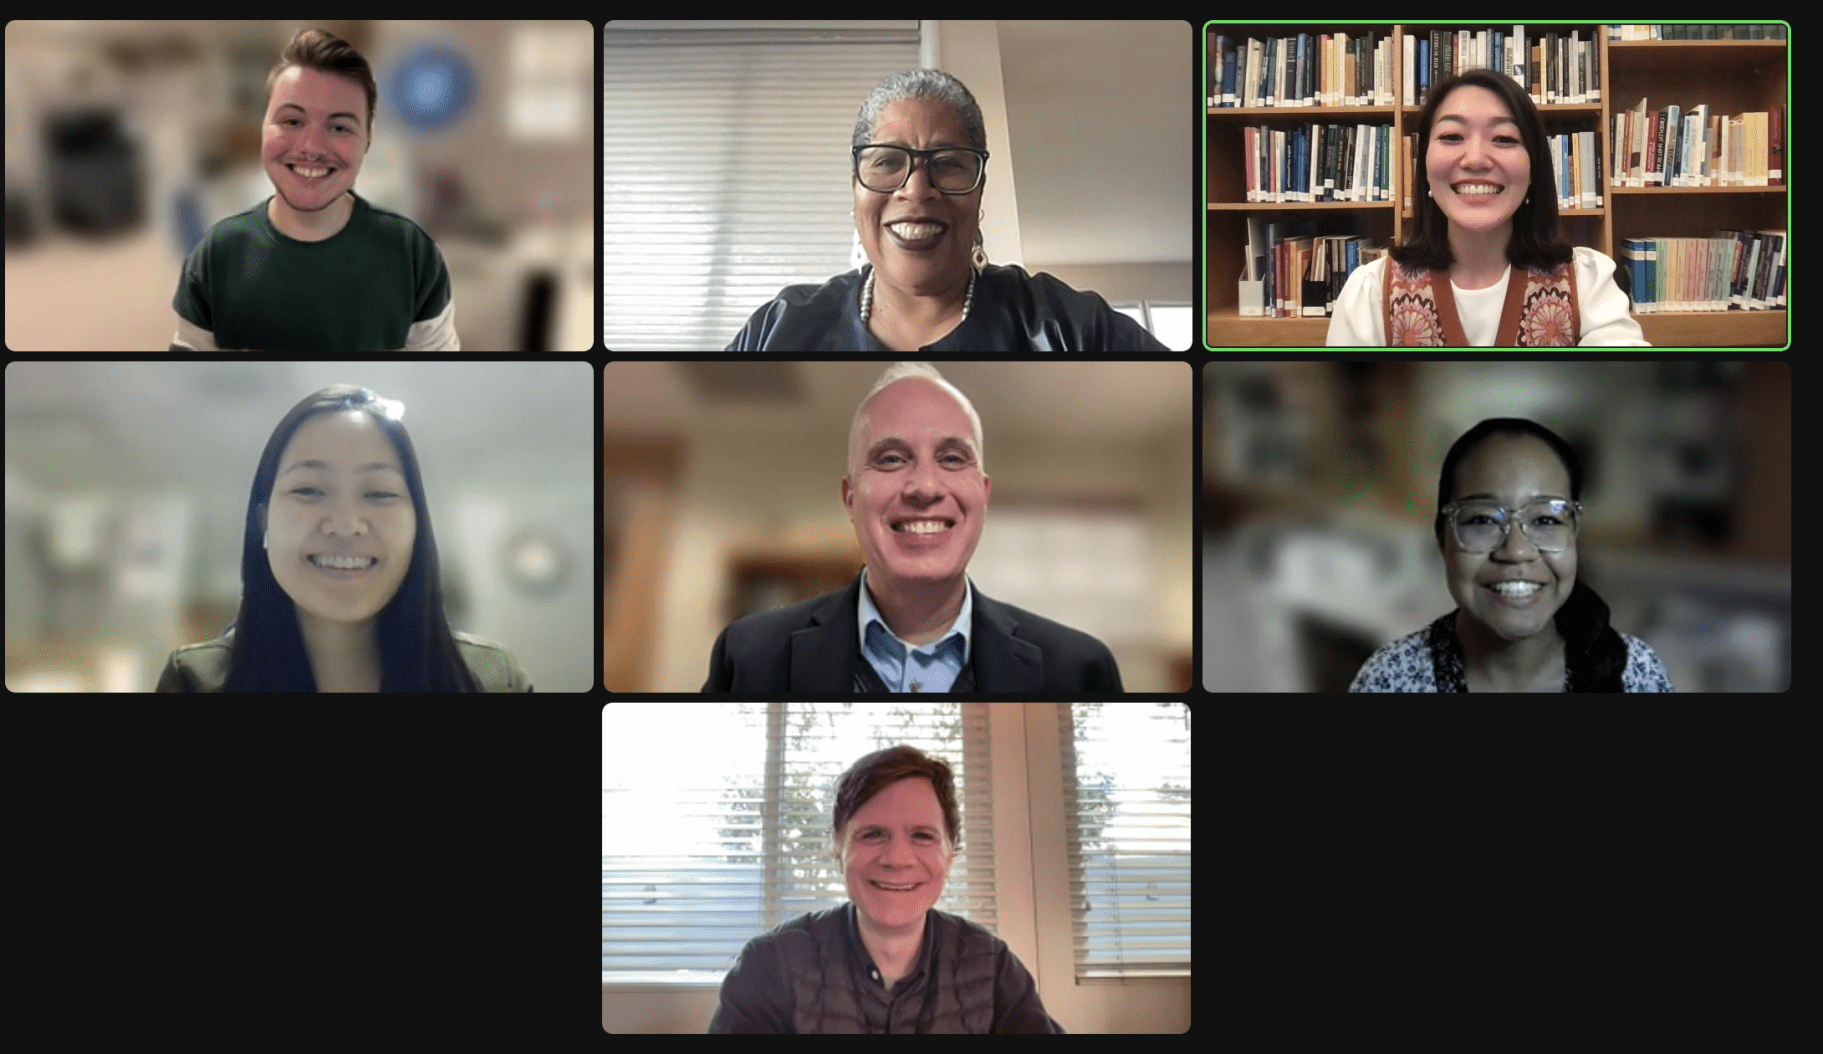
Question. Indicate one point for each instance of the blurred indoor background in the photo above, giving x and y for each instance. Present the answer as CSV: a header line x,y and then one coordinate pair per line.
x,y
724,498
1320,486
126,499
127,140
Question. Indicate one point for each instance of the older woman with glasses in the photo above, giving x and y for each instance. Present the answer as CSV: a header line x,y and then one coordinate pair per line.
x,y
919,158
1507,520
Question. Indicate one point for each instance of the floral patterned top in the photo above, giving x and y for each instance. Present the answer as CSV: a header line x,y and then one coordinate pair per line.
x,y
1430,660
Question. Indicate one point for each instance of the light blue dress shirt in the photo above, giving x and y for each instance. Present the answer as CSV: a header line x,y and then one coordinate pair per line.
x,y
910,667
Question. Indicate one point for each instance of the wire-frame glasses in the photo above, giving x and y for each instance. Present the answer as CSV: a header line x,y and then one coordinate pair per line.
x,y
1550,524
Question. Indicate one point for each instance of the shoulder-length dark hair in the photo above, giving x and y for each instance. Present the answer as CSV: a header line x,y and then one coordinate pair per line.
x,y
1593,650
1536,241
417,650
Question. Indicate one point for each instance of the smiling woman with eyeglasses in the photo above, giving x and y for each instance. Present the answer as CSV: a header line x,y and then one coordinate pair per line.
x,y
1507,519
919,168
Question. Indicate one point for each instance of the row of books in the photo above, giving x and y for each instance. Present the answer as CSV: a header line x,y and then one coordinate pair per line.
x,y
1319,162
1340,69
1291,273
1674,148
1663,148
1553,67
1323,69
1575,161
1332,162
1700,31
1733,271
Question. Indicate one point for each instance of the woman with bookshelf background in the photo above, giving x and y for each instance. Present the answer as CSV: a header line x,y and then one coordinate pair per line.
x,y
1487,265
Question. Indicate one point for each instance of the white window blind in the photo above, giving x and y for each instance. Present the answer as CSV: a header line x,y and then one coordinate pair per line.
x,y
725,169
715,822
1170,323
1126,773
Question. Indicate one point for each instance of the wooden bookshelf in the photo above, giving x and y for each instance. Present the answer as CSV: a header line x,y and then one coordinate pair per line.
x,y
1732,76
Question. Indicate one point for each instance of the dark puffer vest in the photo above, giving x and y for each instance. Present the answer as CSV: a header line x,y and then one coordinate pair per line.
x,y
812,974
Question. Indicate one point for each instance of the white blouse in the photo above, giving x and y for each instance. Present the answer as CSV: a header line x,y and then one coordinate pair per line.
x,y
1359,318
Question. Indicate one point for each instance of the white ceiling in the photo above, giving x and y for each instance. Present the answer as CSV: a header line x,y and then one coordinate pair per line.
x,y
1102,115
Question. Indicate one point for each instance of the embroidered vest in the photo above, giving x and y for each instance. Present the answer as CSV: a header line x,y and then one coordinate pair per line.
x,y
1539,312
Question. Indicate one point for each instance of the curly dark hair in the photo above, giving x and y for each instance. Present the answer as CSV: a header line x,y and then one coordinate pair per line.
x,y
875,772
1593,650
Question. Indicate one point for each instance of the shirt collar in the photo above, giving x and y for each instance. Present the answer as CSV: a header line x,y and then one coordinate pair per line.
x,y
964,623
862,959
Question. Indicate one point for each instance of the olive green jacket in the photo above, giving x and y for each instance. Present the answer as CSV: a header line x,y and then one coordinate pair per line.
x,y
204,667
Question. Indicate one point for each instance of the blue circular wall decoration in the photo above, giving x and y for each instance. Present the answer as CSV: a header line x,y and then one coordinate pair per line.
x,y
432,88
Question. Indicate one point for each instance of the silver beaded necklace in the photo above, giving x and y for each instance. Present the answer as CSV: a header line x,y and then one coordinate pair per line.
x,y
867,297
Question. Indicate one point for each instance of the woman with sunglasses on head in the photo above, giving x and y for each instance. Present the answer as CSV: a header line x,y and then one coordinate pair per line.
x,y
1486,264
919,167
1507,520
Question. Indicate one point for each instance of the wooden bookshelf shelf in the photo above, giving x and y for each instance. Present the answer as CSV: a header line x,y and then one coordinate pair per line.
x,y
1656,191
1242,206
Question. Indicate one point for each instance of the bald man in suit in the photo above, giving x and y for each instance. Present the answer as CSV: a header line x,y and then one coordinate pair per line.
x,y
917,494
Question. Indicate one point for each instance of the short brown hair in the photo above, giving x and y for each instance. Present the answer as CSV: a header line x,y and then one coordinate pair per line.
x,y
875,772
321,50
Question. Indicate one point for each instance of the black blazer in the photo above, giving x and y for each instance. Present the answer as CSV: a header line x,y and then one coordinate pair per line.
x,y
812,647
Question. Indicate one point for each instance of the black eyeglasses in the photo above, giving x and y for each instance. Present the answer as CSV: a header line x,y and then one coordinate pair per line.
x,y
951,169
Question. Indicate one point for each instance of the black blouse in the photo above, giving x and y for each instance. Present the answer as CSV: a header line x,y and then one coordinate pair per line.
x,y
1012,311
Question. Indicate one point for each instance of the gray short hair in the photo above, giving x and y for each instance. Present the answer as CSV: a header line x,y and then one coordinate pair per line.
x,y
922,83
899,371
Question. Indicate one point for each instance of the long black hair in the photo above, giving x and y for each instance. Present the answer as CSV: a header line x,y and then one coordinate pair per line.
x,y
1536,241
417,650
1594,652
